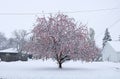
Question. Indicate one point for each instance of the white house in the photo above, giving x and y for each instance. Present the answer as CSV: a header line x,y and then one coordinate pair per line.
x,y
111,51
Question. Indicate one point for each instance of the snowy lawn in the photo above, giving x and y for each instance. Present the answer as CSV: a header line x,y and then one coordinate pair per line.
x,y
37,69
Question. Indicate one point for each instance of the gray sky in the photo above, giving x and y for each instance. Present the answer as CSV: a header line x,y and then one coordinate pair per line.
x,y
98,20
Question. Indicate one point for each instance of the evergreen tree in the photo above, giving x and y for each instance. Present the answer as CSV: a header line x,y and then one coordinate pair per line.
x,y
107,37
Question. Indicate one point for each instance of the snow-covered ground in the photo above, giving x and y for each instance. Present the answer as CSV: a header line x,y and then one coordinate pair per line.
x,y
37,69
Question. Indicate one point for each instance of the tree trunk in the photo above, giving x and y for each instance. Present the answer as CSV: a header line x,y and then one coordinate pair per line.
x,y
60,65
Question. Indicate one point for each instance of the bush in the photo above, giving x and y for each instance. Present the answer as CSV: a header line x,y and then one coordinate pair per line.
x,y
24,57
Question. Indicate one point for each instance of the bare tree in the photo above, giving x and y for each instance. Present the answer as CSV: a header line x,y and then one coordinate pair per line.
x,y
3,41
11,43
19,39
60,38
91,34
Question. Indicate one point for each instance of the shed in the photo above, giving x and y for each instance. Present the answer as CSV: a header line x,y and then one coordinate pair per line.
x,y
12,54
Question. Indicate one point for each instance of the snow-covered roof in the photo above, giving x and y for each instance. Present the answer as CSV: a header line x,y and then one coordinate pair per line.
x,y
115,45
10,50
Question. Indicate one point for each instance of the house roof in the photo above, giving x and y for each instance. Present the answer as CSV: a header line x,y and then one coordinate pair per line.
x,y
10,50
115,45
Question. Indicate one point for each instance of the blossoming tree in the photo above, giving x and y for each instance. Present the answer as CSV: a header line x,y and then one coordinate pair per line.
x,y
60,38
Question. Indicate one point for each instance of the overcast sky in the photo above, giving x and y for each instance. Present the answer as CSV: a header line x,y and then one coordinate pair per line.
x,y
98,20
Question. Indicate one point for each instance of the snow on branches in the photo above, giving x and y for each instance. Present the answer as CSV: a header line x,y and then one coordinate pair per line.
x,y
60,38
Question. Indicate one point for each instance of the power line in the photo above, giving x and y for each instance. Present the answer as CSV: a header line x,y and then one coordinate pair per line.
x,y
113,24
97,10
80,11
117,21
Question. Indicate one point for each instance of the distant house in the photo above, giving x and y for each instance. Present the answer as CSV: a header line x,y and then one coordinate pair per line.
x,y
12,54
111,51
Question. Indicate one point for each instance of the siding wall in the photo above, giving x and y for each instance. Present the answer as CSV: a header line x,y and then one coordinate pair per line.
x,y
109,54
